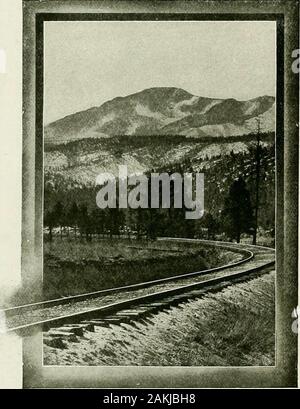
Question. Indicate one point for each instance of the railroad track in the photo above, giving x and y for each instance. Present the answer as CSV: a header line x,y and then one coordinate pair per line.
x,y
68,318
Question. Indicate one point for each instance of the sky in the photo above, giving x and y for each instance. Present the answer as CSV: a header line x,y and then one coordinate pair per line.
x,y
87,63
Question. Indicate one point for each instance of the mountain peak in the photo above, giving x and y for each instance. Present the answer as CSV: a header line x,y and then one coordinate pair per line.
x,y
162,92
163,110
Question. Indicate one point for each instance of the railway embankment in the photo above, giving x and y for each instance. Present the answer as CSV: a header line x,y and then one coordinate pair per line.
x,y
232,327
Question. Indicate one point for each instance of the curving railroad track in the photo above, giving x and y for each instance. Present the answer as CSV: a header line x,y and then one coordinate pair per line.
x,y
69,317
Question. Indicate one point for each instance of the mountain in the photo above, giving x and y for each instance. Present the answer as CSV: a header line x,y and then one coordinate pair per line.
x,y
80,162
165,111
166,130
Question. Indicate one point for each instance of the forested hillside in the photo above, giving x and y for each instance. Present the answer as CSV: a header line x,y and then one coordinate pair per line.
x,y
71,170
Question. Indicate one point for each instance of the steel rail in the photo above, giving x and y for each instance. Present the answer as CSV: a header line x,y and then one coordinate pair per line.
x,y
116,306
80,297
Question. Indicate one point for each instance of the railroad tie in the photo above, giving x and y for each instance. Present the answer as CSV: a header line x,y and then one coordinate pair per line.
x,y
114,320
96,323
71,329
54,342
68,336
85,326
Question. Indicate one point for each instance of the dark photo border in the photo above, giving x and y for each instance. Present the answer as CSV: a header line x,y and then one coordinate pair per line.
x,y
286,15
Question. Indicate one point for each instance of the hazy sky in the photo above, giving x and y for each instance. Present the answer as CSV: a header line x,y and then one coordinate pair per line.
x,y
88,63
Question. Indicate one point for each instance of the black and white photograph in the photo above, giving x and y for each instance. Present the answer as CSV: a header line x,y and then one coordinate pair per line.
x,y
162,98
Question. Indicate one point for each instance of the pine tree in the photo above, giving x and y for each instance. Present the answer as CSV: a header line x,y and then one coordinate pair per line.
x,y
238,213
83,220
73,217
49,221
59,216
211,224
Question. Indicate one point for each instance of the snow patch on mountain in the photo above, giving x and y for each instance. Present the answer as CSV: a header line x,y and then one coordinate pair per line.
x,y
131,129
267,121
223,149
93,157
210,105
218,130
55,160
251,106
178,153
134,167
145,111
107,118
190,101
164,110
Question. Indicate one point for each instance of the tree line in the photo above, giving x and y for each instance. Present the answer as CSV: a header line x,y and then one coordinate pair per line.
x,y
78,221
230,187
